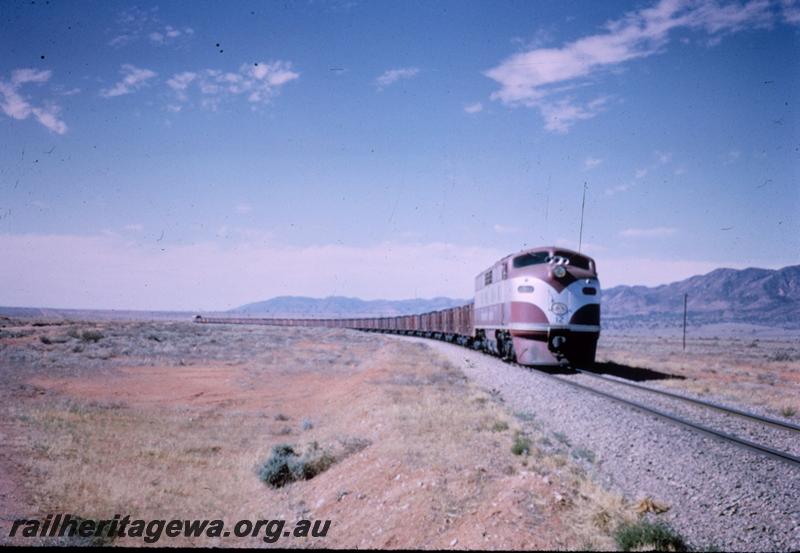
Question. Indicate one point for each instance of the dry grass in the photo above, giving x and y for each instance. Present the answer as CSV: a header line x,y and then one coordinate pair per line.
x,y
174,421
764,372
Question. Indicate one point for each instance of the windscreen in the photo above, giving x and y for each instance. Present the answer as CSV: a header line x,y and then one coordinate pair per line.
x,y
527,259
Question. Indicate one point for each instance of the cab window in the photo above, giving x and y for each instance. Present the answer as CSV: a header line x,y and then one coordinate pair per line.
x,y
528,259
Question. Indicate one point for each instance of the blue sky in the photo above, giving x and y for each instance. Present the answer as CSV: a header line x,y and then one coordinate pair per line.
x,y
203,155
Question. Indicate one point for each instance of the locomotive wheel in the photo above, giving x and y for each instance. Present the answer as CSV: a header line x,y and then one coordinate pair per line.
x,y
505,347
508,350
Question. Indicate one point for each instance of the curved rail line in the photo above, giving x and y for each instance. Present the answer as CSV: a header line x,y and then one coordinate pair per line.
x,y
711,405
718,434
723,436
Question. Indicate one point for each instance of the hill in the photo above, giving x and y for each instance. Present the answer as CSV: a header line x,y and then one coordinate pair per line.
x,y
754,296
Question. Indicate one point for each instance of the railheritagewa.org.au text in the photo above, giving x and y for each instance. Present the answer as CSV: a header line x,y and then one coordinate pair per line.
x,y
151,531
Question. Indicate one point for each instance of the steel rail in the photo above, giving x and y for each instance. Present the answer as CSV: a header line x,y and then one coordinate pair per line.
x,y
709,404
722,436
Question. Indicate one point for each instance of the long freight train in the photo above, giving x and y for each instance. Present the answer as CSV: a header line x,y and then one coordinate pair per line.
x,y
537,307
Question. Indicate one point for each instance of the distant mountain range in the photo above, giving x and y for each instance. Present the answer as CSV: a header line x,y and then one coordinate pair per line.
x,y
339,306
750,296
755,296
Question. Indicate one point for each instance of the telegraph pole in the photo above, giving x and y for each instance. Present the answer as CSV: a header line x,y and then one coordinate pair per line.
x,y
583,204
685,298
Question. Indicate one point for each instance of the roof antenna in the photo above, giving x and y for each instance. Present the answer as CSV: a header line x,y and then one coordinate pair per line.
x,y
583,204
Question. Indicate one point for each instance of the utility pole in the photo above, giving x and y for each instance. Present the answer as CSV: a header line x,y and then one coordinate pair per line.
x,y
583,204
685,299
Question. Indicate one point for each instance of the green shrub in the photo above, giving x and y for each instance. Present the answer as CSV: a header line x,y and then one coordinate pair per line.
x,y
500,426
648,536
561,437
276,471
91,336
53,339
285,465
521,445
583,453
781,355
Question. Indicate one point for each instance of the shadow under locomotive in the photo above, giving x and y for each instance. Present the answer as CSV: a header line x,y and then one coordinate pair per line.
x,y
628,372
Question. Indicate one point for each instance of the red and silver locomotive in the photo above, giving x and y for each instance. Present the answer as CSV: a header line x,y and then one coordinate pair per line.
x,y
540,306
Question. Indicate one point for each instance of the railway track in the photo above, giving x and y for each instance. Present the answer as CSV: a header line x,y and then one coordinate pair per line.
x,y
766,450
775,453
788,429
710,405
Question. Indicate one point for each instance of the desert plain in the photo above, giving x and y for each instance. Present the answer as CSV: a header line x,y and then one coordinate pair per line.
x,y
176,420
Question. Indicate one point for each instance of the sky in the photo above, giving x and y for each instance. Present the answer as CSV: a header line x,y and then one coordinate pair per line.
x,y
203,155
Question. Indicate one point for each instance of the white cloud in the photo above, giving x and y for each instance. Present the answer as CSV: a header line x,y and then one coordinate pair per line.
x,y
121,40
561,115
180,82
791,11
640,173
244,208
663,157
133,79
617,189
134,24
533,78
591,162
258,82
541,36
168,34
48,116
506,229
114,272
22,76
17,106
136,227
654,232
474,108
68,92
391,76
732,157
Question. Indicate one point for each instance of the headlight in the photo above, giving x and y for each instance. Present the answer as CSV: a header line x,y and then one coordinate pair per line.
x,y
559,271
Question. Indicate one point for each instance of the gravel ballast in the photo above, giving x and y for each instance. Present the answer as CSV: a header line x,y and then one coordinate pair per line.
x,y
719,495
